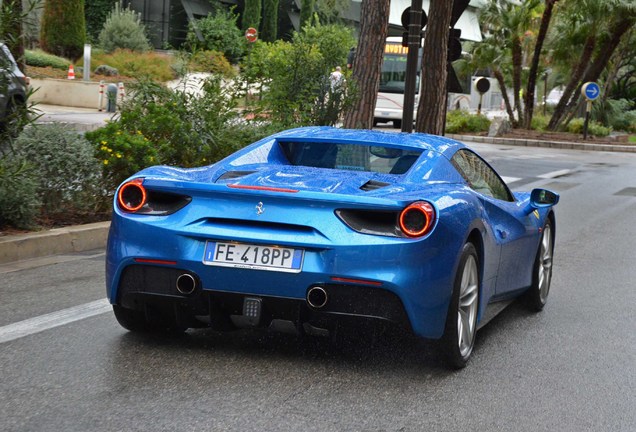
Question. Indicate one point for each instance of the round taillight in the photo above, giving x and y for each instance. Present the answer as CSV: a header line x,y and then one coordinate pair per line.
x,y
132,195
417,219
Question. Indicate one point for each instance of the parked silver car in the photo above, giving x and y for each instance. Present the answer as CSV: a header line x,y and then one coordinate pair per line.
x,y
13,86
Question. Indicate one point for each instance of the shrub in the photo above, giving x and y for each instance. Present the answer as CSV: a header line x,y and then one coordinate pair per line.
x,y
67,170
161,126
459,121
540,123
295,75
123,29
19,201
39,58
220,33
96,12
211,61
63,29
121,153
148,65
594,128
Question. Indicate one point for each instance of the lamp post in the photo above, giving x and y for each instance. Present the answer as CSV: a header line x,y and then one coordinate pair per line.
x,y
545,90
87,62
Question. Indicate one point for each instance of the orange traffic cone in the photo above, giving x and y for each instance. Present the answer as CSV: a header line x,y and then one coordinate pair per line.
x,y
71,72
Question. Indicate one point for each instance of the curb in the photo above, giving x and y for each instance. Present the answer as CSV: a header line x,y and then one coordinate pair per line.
x,y
545,144
78,238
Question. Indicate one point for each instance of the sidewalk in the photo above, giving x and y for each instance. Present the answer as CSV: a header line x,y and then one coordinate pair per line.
x,y
80,119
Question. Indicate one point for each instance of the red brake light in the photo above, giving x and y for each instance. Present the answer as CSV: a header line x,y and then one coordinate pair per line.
x,y
417,219
132,195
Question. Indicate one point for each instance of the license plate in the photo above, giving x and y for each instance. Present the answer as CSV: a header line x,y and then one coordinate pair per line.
x,y
256,257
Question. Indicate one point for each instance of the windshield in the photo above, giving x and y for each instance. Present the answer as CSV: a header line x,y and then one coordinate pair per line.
x,y
393,74
350,157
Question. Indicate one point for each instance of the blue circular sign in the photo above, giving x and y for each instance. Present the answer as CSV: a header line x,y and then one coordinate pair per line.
x,y
591,91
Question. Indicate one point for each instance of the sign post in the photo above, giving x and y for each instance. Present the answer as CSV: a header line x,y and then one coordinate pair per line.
x,y
252,36
482,85
590,91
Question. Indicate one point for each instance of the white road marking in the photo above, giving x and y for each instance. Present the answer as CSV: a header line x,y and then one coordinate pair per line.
x,y
54,319
555,174
509,180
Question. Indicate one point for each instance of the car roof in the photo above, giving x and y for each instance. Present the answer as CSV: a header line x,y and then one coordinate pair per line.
x,y
420,141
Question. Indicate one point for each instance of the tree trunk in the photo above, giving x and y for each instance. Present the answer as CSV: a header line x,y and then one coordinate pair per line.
x,y
604,54
431,110
517,60
374,27
534,66
504,93
573,84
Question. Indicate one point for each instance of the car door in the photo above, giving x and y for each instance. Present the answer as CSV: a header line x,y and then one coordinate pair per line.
x,y
513,229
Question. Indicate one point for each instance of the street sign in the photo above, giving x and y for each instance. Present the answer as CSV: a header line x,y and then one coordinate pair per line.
x,y
251,34
591,91
482,85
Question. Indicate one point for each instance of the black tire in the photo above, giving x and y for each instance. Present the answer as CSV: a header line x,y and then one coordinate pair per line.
x,y
137,321
537,295
397,124
461,322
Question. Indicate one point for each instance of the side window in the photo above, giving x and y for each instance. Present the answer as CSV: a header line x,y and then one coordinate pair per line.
x,y
480,176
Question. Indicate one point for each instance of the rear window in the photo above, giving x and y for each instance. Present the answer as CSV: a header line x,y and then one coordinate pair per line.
x,y
351,157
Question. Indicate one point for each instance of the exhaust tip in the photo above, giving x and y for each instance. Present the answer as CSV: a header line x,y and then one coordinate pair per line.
x,y
317,297
186,283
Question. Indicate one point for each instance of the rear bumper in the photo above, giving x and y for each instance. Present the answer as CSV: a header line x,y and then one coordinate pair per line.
x,y
387,279
143,286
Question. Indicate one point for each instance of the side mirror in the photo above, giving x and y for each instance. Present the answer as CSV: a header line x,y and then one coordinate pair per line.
x,y
543,198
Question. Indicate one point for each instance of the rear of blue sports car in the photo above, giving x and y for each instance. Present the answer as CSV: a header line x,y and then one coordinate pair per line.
x,y
296,233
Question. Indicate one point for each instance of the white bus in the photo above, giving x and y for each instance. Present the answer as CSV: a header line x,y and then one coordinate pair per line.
x,y
392,78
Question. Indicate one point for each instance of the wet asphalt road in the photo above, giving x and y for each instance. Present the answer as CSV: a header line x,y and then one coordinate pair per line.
x,y
570,368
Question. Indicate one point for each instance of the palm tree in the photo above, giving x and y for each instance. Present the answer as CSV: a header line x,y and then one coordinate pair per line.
x,y
621,22
511,21
490,54
589,19
546,17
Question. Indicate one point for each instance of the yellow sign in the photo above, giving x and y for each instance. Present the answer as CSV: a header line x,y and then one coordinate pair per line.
x,y
395,49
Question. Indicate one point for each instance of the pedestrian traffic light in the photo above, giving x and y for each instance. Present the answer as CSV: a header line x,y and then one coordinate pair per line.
x,y
406,19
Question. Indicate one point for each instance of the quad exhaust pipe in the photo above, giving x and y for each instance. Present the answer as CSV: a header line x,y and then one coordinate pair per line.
x,y
186,283
317,297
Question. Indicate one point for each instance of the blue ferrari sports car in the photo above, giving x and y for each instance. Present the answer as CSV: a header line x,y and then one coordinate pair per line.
x,y
314,228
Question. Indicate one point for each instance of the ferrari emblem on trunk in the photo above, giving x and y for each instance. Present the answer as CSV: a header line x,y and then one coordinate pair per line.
x,y
260,209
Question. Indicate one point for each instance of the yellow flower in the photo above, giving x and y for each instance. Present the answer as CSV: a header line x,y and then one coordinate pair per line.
x,y
105,161
110,150
118,132
104,142
138,132
118,155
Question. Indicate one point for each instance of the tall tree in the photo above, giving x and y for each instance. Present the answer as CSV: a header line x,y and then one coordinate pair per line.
x,y
306,12
590,19
623,20
63,29
374,27
251,14
269,29
432,106
512,20
546,17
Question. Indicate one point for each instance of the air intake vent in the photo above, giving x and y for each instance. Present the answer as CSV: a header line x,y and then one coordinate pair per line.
x,y
372,185
234,175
